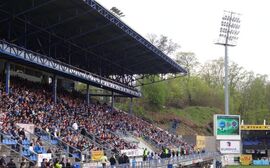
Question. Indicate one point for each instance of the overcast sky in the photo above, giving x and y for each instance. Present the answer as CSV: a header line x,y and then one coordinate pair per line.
x,y
194,24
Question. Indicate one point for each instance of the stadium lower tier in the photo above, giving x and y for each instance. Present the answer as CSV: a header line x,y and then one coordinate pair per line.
x,y
71,125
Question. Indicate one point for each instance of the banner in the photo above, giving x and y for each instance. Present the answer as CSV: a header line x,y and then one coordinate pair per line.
x,y
260,162
40,157
227,127
132,152
28,127
246,159
96,155
255,127
200,142
229,147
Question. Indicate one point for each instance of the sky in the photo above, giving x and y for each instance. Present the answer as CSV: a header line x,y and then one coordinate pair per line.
x,y
195,24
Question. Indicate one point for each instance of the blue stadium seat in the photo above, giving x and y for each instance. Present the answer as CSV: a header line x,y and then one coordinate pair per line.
x,y
26,142
76,155
54,142
76,165
33,157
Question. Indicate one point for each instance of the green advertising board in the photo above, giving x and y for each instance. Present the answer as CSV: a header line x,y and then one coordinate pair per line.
x,y
227,125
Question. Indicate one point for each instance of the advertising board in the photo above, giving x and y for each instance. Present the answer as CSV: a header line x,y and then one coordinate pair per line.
x,y
227,127
229,147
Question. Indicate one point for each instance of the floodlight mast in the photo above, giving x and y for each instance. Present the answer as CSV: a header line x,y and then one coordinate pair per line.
x,y
228,36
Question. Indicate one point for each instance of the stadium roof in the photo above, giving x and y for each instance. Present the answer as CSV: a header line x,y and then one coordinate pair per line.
x,y
84,34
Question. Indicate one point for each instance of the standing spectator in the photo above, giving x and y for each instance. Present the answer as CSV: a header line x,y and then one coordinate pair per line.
x,y
144,154
68,165
133,162
126,159
75,126
44,163
113,161
62,163
121,159
104,160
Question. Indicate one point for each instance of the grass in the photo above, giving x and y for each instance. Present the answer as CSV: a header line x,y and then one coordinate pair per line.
x,y
195,117
199,115
247,166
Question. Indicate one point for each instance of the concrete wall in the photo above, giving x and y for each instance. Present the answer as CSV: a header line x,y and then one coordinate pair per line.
x,y
210,143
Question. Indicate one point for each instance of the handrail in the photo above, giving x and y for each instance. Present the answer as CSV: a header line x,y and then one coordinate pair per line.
x,y
105,144
119,132
63,145
87,138
115,134
11,137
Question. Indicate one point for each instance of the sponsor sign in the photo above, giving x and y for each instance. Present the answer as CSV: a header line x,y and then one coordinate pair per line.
x,y
255,127
227,127
200,142
96,155
229,147
246,159
132,152
260,162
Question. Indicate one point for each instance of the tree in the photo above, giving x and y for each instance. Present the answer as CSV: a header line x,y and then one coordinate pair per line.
x,y
155,94
189,61
163,43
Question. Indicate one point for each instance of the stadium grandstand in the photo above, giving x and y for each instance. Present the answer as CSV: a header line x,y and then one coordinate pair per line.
x,y
46,46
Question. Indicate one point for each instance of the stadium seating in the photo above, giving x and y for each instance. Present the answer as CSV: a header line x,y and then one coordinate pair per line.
x,y
29,102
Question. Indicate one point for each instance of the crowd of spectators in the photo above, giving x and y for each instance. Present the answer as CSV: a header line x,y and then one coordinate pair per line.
x,y
29,102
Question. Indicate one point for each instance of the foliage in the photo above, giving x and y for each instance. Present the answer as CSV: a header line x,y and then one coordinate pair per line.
x,y
155,94
203,87
163,43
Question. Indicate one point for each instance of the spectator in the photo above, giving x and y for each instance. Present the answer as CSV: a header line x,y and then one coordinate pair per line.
x,y
3,161
104,160
23,165
32,103
68,165
112,161
62,163
44,163
133,162
11,164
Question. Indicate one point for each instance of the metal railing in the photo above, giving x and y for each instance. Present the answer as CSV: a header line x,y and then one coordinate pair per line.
x,y
69,150
46,144
181,160
16,146
100,143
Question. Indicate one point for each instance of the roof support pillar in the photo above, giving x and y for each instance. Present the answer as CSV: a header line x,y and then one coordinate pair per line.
x,y
131,106
7,77
55,89
112,101
87,95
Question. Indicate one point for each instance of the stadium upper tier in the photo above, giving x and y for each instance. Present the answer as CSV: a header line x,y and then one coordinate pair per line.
x,y
84,34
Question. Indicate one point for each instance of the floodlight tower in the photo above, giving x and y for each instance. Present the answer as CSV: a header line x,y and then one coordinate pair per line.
x,y
228,37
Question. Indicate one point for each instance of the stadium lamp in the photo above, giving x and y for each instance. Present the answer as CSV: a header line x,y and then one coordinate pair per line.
x,y
117,12
228,36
